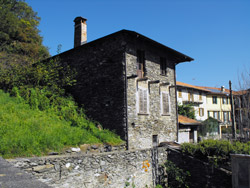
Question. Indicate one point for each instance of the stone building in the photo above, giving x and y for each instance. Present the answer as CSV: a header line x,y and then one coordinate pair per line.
x,y
126,82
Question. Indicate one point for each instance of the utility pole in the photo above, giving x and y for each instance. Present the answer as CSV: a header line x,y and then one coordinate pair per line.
x,y
232,111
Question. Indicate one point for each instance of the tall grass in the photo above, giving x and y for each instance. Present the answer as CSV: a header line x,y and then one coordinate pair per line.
x,y
33,125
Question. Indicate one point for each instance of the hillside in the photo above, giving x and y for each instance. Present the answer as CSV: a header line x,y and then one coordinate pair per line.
x,y
28,131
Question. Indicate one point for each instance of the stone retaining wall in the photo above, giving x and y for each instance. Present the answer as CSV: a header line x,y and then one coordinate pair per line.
x,y
202,174
111,169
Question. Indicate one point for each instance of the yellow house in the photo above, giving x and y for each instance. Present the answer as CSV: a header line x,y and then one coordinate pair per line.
x,y
218,105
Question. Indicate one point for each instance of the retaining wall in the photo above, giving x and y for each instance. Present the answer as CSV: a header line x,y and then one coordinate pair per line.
x,y
112,169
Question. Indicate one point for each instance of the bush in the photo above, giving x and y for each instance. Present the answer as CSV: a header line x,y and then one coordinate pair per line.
x,y
210,125
216,151
176,177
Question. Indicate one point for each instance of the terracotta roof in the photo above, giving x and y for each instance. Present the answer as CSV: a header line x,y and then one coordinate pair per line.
x,y
187,121
242,92
190,86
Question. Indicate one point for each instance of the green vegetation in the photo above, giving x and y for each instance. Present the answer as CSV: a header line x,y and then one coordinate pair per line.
x,y
210,125
26,131
186,110
36,114
19,35
176,177
216,151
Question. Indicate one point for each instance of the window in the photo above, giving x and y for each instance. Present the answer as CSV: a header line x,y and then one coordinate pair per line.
x,y
214,99
209,114
143,100
140,63
201,112
190,96
216,115
229,116
179,93
163,66
225,117
200,96
165,103
224,100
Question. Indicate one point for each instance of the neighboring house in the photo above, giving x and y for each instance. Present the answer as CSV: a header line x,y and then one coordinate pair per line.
x,y
126,82
194,95
187,129
218,106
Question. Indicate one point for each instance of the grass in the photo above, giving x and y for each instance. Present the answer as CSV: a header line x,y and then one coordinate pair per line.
x,y
29,131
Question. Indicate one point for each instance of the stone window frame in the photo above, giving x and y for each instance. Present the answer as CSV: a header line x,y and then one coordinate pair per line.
x,y
161,103
139,111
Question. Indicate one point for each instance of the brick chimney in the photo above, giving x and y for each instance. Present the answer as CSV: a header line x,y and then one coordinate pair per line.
x,y
80,37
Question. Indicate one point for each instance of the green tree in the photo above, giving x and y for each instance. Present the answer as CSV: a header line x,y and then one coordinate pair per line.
x,y
20,40
186,110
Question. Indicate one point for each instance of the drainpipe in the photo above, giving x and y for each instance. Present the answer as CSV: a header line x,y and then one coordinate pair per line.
x,y
176,105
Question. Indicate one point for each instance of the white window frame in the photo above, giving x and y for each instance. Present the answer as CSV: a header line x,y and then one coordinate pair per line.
x,y
161,103
138,100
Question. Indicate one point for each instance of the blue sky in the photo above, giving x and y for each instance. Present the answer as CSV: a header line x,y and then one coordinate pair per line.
x,y
216,33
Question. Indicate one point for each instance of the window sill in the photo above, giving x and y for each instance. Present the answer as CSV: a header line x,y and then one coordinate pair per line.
x,y
142,114
165,114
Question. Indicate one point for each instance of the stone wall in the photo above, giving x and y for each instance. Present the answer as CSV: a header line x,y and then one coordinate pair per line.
x,y
100,85
240,170
141,127
202,174
111,170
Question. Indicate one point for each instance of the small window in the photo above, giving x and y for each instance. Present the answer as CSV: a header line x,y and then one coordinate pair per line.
x,y
179,93
143,101
225,117
190,96
141,64
215,115
214,99
224,100
163,66
200,96
201,112
165,103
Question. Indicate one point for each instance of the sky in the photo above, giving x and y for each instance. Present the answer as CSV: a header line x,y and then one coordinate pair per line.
x,y
215,33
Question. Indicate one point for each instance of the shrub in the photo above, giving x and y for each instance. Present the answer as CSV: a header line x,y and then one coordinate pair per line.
x,y
176,177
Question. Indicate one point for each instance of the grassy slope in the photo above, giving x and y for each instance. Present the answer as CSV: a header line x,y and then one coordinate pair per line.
x,y
26,132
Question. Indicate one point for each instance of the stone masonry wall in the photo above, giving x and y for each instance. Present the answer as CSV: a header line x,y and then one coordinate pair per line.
x,y
141,128
111,170
100,85
202,174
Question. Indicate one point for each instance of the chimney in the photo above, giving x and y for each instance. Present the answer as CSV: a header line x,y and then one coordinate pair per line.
x,y
222,88
80,37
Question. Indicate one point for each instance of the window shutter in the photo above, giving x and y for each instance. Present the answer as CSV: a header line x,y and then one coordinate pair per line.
x,y
143,102
180,94
188,96
145,110
140,101
165,103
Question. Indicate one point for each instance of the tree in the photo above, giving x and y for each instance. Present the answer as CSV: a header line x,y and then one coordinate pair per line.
x,y
186,110
19,36
242,102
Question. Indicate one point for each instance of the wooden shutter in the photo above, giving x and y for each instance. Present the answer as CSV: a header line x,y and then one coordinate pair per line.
x,y
143,102
179,93
165,103
189,96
